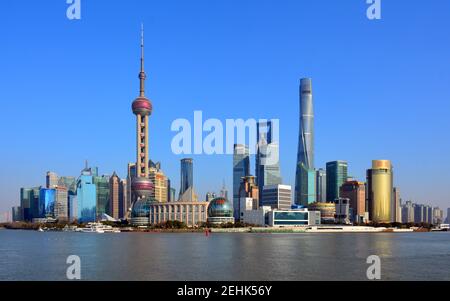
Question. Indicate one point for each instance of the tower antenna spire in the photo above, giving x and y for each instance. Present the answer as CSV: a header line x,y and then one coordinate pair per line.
x,y
142,75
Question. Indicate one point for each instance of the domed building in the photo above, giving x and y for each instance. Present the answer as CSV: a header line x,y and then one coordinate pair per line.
x,y
140,214
220,211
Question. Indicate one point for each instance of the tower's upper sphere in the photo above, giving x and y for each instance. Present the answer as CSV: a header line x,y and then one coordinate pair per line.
x,y
142,106
142,187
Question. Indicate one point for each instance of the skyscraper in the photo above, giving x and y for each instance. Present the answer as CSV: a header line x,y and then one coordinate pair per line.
x,y
26,195
186,175
321,186
114,196
61,211
356,192
241,168
304,179
336,176
123,198
397,206
159,181
131,174
46,203
408,213
51,180
380,191
86,198
267,167
102,194
141,185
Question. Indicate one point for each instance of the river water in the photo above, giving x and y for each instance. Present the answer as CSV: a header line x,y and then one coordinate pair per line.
x,y
31,255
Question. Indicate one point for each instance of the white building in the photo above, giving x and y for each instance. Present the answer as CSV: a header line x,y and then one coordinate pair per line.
x,y
277,197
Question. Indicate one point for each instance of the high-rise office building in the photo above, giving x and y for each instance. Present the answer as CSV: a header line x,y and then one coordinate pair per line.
x,y
305,186
141,185
123,198
73,208
356,193
267,157
102,191
380,191
61,211
131,174
408,213
86,198
419,213
438,216
47,198
26,196
448,216
114,196
70,183
16,214
337,174
186,176
51,180
397,206
241,168
277,197
321,186
159,181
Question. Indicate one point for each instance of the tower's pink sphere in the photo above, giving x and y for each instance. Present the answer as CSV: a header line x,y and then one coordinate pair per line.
x,y
142,106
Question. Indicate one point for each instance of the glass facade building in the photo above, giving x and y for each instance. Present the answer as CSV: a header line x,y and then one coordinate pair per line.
x,y
187,175
304,189
321,186
289,218
220,211
267,167
26,197
86,199
241,168
337,174
102,194
47,199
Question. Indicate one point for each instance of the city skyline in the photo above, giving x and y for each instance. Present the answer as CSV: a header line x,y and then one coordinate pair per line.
x,y
67,159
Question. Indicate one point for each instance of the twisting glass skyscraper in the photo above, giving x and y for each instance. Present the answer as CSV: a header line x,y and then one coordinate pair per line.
x,y
305,174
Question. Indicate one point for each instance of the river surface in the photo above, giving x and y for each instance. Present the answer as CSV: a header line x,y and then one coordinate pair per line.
x,y
32,255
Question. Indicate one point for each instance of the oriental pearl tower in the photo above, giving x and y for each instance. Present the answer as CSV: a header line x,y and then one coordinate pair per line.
x,y
141,185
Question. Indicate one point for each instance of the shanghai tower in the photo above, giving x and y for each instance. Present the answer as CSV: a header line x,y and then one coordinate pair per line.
x,y
305,174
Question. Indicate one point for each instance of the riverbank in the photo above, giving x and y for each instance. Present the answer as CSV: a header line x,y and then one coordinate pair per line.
x,y
303,229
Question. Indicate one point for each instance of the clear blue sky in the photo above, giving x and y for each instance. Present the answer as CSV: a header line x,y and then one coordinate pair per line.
x,y
381,88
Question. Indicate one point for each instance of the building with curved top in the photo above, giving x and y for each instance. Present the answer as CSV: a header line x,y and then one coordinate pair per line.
x,y
305,176
380,191
220,211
